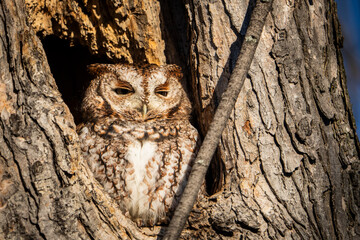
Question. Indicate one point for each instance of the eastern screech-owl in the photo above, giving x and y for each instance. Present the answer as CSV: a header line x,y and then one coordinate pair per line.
x,y
137,138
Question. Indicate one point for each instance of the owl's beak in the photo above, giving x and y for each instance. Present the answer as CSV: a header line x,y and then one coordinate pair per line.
x,y
145,110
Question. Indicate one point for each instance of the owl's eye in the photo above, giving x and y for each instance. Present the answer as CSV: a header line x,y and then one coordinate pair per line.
x,y
123,91
162,93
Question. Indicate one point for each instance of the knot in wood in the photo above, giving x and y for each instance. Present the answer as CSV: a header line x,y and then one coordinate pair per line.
x,y
37,168
304,128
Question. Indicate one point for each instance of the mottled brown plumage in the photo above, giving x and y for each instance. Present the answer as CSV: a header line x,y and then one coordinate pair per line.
x,y
137,138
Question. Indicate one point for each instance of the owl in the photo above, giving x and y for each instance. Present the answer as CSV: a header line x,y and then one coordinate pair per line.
x,y
137,138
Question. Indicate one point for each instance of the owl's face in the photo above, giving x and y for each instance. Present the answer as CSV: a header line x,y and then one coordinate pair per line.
x,y
136,94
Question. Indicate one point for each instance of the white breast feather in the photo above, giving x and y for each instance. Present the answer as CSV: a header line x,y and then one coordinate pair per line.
x,y
139,154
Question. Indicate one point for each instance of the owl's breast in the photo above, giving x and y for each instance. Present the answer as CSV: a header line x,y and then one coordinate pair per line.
x,y
138,154
142,175
144,167
142,132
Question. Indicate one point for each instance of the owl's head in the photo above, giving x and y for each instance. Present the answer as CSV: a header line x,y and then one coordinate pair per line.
x,y
133,93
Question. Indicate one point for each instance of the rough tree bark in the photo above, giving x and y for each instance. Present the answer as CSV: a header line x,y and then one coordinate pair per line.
x,y
222,114
288,162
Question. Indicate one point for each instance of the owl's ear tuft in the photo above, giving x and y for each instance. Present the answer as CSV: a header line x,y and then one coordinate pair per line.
x,y
97,68
174,71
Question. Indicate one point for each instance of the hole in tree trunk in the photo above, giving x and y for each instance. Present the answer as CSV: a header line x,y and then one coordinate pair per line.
x,y
215,175
69,68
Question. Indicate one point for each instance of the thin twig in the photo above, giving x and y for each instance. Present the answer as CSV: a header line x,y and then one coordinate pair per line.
x,y
221,116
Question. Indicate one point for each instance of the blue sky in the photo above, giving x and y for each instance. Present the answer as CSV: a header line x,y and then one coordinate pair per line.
x,y
349,15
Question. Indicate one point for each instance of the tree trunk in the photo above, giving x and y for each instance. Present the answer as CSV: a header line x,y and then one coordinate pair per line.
x,y
287,166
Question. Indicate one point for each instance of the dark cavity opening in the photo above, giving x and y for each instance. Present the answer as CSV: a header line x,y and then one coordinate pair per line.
x,y
68,65
215,175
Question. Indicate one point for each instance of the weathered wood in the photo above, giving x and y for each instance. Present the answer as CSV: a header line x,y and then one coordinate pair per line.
x,y
290,153
122,30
